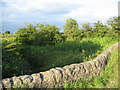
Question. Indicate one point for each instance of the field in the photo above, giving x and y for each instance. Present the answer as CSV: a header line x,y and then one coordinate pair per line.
x,y
37,48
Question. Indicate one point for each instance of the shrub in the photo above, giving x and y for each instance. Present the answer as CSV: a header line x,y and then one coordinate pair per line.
x,y
7,32
14,66
39,35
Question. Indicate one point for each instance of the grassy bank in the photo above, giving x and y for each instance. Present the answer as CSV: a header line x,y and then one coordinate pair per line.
x,y
107,79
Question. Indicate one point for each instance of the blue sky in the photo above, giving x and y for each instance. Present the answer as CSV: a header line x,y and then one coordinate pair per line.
x,y
17,13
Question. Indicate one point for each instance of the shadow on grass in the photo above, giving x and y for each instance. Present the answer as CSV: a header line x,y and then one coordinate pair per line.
x,y
45,58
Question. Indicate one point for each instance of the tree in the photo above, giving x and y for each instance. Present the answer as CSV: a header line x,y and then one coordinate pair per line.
x,y
100,29
87,27
7,32
113,22
25,35
48,34
100,26
71,29
40,34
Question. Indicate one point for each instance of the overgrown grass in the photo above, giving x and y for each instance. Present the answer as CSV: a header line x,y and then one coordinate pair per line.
x,y
67,53
40,58
107,79
59,55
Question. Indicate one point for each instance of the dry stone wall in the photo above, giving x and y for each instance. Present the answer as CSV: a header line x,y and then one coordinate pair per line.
x,y
57,77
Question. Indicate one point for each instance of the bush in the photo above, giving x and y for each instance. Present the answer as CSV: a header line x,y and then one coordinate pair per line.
x,y
14,66
7,32
47,35
40,35
25,36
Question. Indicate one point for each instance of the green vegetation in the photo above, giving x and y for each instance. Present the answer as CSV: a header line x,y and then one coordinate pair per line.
x,y
71,29
66,53
7,32
107,79
36,48
39,35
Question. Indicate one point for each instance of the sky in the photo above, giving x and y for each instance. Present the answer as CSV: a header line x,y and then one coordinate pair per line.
x,y
18,13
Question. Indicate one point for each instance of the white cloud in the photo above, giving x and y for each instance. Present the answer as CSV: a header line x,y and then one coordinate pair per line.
x,y
95,9
58,10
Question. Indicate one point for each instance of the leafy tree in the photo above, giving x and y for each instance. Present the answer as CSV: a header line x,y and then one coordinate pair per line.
x,y
71,29
113,22
48,34
7,32
25,35
100,29
100,26
87,27
40,34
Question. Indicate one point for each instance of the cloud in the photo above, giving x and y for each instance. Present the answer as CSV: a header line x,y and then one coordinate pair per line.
x,y
56,11
44,6
95,10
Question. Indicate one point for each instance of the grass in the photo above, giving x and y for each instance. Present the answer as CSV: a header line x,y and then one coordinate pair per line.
x,y
47,57
107,79
7,36
42,58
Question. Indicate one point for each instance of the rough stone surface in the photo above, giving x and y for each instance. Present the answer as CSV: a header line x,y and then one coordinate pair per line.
x,y
57,77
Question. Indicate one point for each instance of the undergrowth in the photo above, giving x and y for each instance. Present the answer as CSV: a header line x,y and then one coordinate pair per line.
x,y
31,59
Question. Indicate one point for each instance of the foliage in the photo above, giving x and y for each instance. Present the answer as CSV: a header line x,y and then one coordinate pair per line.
x,y
100,29
87,27
39,35
7,32
14,66
99,26
71,29
12,62
113,22
26,35
47,35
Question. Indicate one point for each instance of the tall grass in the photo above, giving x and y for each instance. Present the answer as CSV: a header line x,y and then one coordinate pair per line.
x,y
66,53
41,58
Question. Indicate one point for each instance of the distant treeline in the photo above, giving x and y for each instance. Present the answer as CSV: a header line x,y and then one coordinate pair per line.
x,y
45,34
